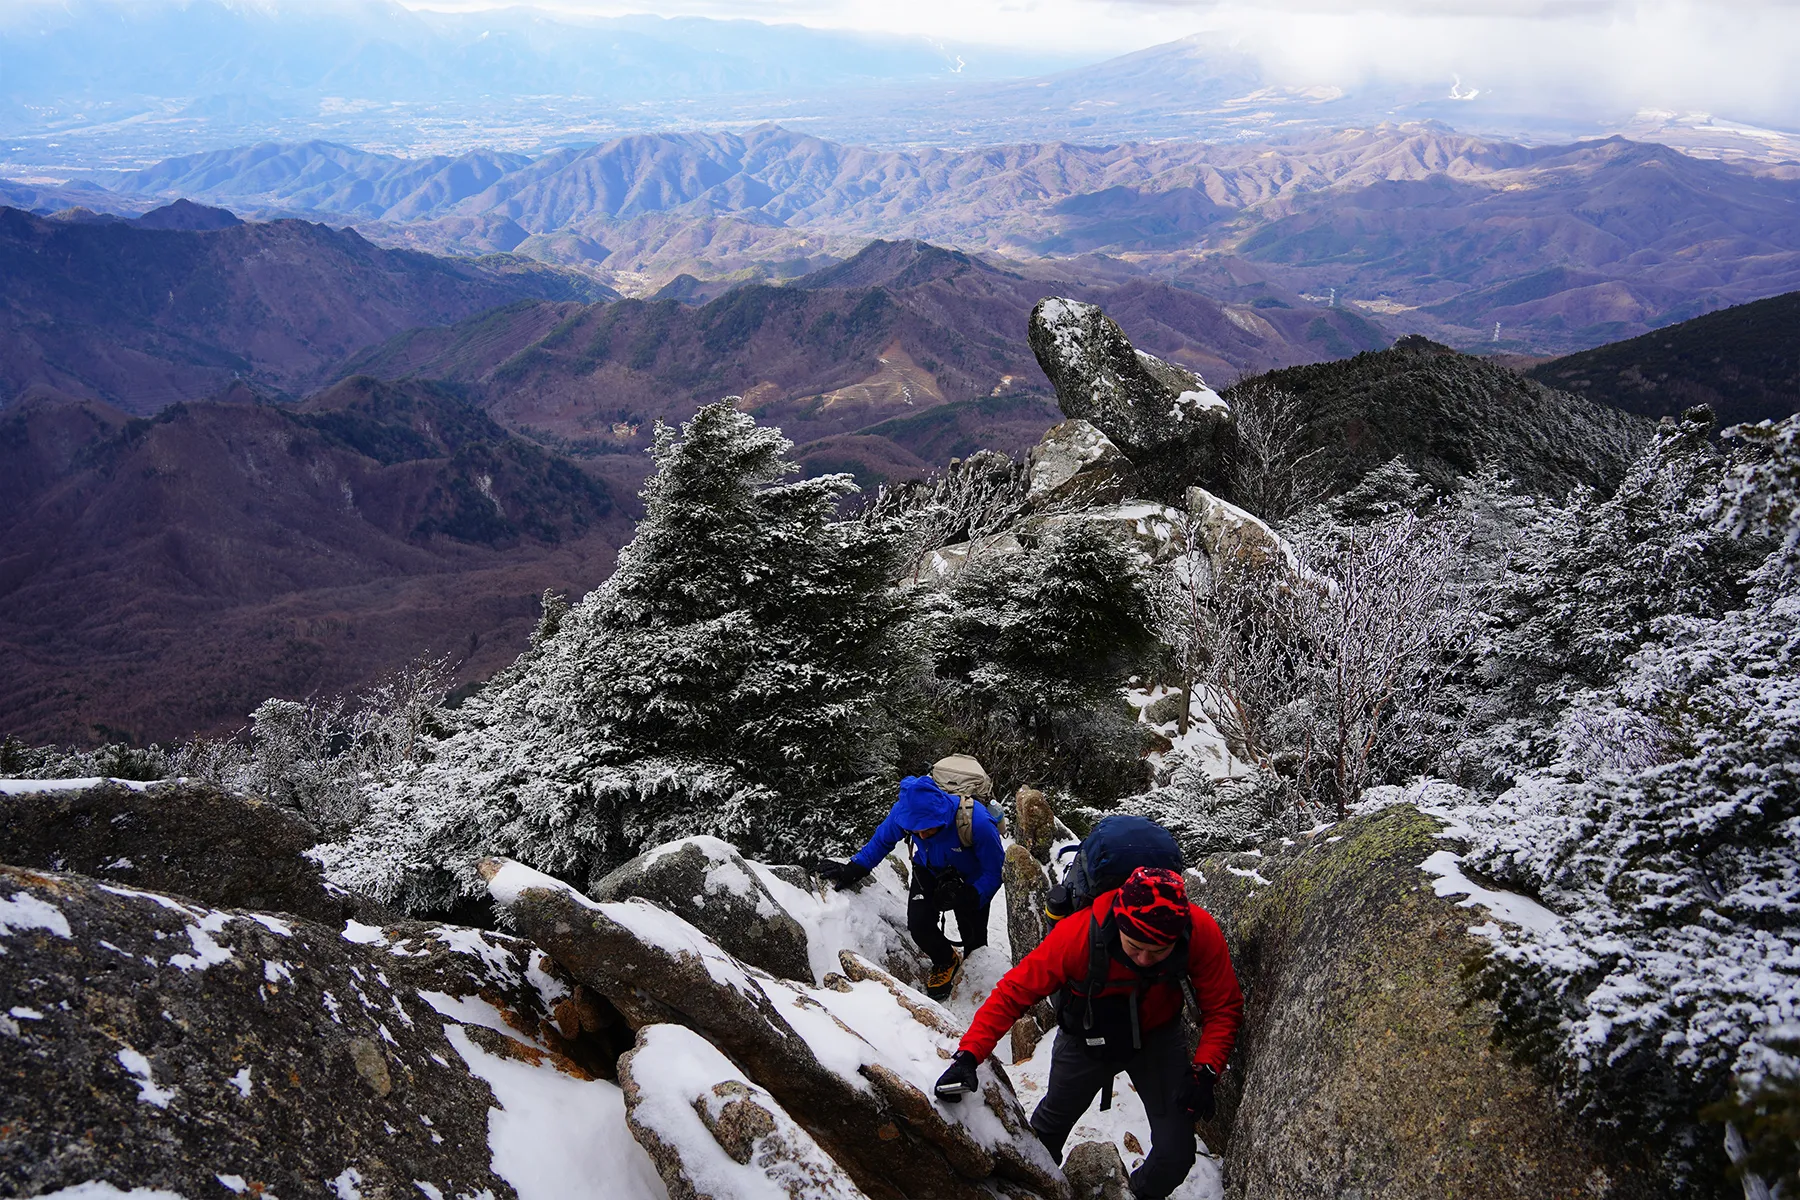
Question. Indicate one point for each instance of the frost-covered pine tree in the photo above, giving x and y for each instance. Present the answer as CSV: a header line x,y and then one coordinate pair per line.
x,y
1034,649
1592,578
729,678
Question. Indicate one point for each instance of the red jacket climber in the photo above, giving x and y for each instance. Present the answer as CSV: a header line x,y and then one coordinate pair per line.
x,y
1147,940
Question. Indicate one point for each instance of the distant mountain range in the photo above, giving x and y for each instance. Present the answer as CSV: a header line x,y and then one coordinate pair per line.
x,y
1474,243
186,299
163,576
1744,361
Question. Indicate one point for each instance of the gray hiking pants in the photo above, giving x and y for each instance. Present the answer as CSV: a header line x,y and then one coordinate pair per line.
x,y
1158,1071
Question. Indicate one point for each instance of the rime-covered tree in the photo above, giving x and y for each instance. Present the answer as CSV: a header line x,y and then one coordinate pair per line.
x,y
1591,579
1034,648
729,678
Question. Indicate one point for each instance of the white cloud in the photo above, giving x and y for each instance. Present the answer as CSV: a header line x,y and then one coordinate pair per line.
x,y
1732,57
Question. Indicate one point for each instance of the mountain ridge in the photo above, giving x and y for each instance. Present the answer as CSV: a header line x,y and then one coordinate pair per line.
x,y
1434,231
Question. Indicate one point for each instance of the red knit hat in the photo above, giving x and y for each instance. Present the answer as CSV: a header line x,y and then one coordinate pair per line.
x,y
1152,907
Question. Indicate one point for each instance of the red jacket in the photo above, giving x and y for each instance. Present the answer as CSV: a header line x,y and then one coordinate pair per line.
x,y
1063,956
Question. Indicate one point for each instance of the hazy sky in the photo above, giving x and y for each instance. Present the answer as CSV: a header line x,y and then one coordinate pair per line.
x,y
1721,55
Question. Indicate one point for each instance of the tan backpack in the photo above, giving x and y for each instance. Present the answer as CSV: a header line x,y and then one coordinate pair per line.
x,y
964,777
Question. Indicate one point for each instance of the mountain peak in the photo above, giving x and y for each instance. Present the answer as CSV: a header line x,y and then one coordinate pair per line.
x,y
904,263
190,217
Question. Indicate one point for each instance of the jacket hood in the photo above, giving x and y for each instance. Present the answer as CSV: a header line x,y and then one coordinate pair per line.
x,y
923,804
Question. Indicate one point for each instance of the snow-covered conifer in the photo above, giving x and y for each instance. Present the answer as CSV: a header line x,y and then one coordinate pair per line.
x,y
1034,650
729,678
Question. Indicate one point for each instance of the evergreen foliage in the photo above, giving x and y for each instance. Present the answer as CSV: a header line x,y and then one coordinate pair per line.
x,y
731,677
1032,651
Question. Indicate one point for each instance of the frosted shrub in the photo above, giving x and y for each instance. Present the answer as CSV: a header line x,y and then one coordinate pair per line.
x,y
1664,828
1376,642
1209,816
1031,652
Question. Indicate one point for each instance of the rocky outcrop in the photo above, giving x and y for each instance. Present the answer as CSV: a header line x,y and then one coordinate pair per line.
x,y
215,847
1234,538
712,1133
850,1064
1037,822
152,1042
1074,465
1026,885
1163,417
709,884
1367,1064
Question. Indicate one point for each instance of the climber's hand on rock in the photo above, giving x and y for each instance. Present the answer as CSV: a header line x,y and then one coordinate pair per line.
x,y
960,1078
842,876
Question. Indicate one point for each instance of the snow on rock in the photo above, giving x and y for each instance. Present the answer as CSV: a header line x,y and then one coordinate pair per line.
x,y
1074,465
26,787
554,1136
713,887
26,911
712,1133
1514,909
1160,415
164,1046
852,1059
184,839
1231,534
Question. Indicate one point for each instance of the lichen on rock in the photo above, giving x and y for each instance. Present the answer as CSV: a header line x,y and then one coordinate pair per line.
x,y
1368,1063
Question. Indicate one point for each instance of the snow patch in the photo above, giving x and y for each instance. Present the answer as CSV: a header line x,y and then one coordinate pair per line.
x,y
139,1067
207,951
241,1081
272,924
99,1189
1510,907
472,1010
235,1183
555,1137
364,935
26,911
25,787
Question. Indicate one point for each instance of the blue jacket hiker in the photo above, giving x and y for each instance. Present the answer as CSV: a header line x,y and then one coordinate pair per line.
x,y
956,861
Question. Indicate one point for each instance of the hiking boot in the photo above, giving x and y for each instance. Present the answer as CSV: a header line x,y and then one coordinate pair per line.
x,y
942,979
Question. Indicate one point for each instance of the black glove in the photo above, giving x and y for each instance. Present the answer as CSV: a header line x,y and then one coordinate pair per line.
x,y
1197,1093
843,876
958,1079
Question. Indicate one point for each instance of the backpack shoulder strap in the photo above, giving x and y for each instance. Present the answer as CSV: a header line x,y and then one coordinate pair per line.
x,y
965,821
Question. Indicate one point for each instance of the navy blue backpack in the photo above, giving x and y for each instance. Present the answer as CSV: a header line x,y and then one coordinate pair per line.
x,y
1105,859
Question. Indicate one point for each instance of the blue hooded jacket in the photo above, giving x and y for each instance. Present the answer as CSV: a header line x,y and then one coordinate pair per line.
x,y
923,804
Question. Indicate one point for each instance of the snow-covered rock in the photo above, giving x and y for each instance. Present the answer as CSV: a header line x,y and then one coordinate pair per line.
x,y
1163,417
1230,534
158,1046
1074,465
711,886
222,849
715,1135
852,1061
